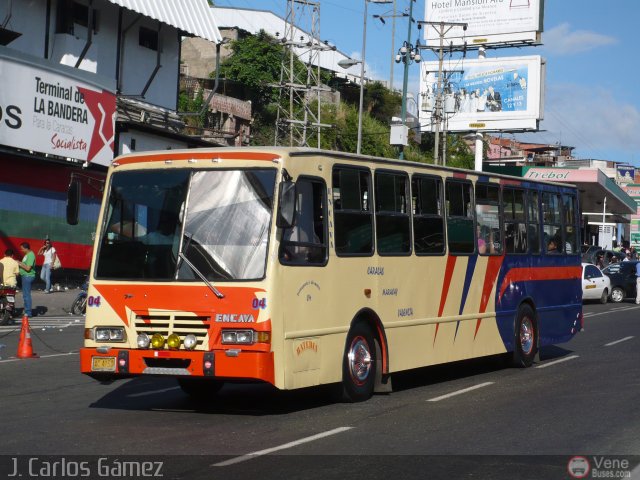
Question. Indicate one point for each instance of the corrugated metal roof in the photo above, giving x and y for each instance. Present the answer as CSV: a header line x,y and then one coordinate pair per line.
x,y
192,16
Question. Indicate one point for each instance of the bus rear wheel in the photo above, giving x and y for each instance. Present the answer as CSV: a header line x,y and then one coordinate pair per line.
x,y
526,337
200,388
359,364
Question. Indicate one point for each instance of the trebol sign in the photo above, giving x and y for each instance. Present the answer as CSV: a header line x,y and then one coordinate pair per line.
x,y
52,112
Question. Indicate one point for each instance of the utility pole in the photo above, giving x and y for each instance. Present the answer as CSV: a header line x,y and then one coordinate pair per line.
x,y
442,28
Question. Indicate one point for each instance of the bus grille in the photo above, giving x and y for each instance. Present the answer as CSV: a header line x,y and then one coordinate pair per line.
x,y
179,323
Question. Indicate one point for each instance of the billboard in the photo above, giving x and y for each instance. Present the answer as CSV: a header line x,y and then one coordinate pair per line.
x,y
484,95
488,21
55,110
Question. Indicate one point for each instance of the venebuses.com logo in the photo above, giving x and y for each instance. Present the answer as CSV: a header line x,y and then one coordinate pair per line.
x,y
598,467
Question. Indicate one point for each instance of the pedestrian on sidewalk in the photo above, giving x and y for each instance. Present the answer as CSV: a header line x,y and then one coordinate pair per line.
x,y
28,275
11,269
49,254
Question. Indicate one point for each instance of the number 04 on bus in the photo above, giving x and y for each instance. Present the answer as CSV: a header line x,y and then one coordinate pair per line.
x,y
301,267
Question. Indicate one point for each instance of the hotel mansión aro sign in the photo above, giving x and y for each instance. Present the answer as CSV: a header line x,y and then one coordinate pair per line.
x,y
54,112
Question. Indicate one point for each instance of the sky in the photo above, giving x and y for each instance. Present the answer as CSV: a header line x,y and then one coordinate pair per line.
x,y
592,85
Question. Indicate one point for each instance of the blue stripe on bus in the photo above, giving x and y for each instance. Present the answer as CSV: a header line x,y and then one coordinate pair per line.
x,y
471,266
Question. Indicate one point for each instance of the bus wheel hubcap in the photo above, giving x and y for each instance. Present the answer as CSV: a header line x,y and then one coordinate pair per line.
x,y
359,360
526,335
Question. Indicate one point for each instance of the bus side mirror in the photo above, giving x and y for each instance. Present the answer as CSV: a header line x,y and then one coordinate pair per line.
x,y
287,205
73,201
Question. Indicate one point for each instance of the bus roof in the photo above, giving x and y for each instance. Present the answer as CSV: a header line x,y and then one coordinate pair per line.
x,y
273,153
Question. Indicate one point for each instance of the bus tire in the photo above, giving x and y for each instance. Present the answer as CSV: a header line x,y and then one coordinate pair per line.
x,y
526,337
200,388
359,364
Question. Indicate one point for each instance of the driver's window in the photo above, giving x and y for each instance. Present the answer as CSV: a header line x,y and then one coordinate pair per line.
x,y
305,243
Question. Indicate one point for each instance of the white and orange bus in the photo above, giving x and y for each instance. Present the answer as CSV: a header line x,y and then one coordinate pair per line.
x,y
301,267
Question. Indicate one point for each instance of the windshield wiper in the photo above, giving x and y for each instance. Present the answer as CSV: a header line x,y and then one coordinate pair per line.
x,y
217,292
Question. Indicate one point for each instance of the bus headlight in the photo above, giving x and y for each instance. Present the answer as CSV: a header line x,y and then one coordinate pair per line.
x,y
173,342
109,334
157,341
190,341
143,340
242,337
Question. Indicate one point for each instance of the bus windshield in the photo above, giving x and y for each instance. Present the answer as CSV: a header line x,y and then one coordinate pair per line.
x,y
218,219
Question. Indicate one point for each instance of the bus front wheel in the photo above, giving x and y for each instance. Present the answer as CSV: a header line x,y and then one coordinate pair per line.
x,y
359,364
526,337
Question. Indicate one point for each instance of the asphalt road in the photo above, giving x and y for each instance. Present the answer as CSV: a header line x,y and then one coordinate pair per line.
x,y
475,419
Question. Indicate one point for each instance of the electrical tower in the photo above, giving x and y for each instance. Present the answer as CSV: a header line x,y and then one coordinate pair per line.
x,y
300,88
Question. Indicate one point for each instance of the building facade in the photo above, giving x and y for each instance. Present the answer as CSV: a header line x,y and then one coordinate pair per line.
x,y
83,81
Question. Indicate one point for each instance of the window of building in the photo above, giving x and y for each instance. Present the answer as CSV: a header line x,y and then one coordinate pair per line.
x,y
306,242
148,38
428,218
552,223
460,234
71,14
488,219
515,227
393,224
353,218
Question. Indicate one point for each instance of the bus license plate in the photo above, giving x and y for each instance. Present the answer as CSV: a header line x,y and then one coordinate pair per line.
x,y
103,364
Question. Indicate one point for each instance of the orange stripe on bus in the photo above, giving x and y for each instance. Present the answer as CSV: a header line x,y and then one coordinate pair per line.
x,y
490,278
539,273
196,155
197,299
448,274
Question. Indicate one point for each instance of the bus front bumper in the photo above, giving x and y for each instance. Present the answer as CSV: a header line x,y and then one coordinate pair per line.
x,y
224,364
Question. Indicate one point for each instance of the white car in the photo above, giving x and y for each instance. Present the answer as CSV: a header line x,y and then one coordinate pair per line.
x,y
595,285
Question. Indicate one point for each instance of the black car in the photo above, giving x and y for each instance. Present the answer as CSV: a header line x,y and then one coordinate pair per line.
x,y
623,280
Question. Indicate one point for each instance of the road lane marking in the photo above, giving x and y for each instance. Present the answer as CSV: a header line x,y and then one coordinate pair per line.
x,y
38,357
565,359
618,341
610,311
142,394
250,456
459,392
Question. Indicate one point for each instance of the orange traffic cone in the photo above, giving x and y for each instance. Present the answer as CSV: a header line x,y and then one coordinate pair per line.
x,y
25,349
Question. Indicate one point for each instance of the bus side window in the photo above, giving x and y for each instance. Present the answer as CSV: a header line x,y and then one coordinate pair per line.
x,y
353,219
428,217
393,225
306,242
570,230
460,222
552,223
488,219
515,233
534,222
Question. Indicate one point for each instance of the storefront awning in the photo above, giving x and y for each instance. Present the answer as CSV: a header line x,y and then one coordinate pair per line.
x,y
594,186
191,16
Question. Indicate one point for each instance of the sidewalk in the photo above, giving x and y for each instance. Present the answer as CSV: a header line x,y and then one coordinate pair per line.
x,y
55,304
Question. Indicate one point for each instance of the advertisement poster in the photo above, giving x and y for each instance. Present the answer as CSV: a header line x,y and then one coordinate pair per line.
x,y
625,174
488,21
48,112
485,94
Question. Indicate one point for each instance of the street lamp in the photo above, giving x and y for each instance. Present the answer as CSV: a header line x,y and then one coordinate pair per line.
x,y
346,63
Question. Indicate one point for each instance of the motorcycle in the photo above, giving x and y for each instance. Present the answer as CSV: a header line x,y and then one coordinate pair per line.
x,y
79,305
7,304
